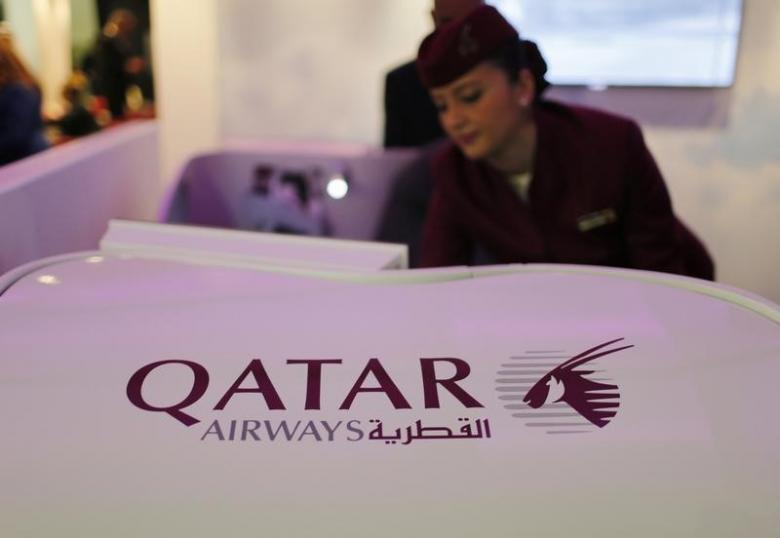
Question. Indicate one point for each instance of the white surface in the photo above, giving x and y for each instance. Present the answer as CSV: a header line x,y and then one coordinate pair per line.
x,y
60,200
185,45
233,247
693,451
302,70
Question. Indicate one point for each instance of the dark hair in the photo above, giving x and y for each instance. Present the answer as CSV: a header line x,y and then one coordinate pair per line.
x,y
263,171
12,67
519,54
300,183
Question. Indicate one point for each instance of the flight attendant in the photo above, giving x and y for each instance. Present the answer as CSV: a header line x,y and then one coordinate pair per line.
x,y
525,179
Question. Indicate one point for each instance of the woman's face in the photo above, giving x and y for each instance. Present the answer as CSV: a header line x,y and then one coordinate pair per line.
x,y
482,111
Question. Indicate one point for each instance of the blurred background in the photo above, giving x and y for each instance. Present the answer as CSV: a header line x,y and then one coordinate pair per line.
x,y
213,74
90,55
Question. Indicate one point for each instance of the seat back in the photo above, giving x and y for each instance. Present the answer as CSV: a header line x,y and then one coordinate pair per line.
x,y
226,189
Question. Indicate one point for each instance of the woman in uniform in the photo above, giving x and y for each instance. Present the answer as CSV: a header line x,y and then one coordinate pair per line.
x,y
529,180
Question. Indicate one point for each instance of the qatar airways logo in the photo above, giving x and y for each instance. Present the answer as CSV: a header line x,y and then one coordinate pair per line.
x,y
549,390
561,393
254,381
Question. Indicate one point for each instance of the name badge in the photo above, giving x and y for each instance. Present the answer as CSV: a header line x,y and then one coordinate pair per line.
x,y
593,220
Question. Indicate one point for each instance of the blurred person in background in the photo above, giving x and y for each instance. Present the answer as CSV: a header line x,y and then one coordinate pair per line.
x,y
113,66
77,121
284,201
410,117
21,125
534,181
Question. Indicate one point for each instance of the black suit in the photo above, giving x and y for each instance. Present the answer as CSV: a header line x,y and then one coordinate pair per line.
x,y
410,117
407,203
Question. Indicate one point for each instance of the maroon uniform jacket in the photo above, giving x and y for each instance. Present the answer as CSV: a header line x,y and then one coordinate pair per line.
x,y
597,197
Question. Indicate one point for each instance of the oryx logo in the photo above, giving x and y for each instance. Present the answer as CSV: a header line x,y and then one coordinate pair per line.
x,y
573,396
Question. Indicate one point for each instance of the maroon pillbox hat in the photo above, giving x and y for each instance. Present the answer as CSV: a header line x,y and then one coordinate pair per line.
x,y
456,47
